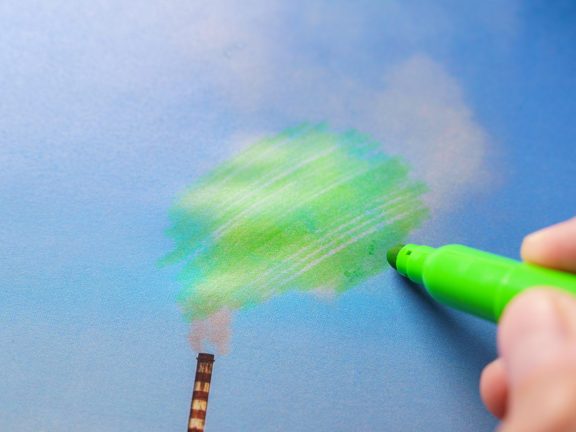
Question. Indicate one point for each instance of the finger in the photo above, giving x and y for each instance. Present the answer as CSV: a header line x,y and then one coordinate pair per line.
x,y
538,328
537,342
546,402
553,247
494,388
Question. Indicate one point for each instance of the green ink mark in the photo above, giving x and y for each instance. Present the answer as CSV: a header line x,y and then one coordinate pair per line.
x,y
305,210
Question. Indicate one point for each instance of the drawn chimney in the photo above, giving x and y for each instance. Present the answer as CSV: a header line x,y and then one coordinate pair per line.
x,y
200,395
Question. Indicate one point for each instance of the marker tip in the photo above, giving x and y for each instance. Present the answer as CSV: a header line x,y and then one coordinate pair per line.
x,y
392,254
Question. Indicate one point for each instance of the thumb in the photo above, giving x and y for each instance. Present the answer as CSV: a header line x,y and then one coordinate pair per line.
x,y
537,342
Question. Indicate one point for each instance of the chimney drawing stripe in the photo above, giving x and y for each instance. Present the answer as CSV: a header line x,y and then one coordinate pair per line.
x,y
199,404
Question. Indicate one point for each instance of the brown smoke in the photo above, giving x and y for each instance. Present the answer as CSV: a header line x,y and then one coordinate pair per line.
x,y
214,330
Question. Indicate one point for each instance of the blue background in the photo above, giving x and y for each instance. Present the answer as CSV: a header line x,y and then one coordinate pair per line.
x,y
109,109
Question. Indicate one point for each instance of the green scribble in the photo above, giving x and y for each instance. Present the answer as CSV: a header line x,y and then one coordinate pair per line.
x,y
307,209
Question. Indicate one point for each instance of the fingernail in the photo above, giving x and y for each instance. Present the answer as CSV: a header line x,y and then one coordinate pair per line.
x,y
532,334
534,237
530,246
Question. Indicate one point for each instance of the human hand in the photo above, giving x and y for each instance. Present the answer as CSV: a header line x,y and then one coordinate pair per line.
x,y
532,385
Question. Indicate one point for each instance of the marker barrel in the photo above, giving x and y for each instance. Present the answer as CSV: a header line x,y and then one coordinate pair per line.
x,y
473,281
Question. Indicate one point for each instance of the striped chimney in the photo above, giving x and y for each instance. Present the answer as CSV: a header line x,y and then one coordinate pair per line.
x,y
200,395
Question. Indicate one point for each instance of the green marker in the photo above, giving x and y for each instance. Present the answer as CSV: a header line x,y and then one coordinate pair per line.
x,y
470,280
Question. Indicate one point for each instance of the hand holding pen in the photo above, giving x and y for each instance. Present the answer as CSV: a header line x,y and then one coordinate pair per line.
x,y
532,385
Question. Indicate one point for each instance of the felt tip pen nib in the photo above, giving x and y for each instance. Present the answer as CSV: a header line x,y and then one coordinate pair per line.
x,y
392,254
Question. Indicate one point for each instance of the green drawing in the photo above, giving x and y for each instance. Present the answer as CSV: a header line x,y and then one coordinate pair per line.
x,y
305,210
